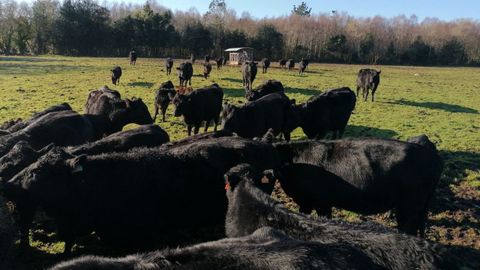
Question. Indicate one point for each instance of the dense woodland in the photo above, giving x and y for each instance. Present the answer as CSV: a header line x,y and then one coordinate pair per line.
x,y
91,28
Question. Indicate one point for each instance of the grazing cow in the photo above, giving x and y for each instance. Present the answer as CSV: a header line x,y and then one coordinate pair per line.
x,y
302,66
185,73
250,209
265,249
290,64
256,117
282,63
131,199
201,105
19,124
133,57
383,174
22,154
162,98
169,65
328,111
192,58
219,62
249,72
265,64
207,58
207,68
368,79
267,87
102,101
116,74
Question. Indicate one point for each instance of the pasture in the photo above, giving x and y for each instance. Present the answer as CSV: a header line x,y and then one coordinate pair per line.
x,y
442,103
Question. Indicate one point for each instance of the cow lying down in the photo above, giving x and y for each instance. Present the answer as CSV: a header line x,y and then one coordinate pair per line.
x,y
265,248
250,209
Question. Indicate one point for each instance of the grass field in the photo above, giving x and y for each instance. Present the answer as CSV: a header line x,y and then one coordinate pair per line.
x,y
443,103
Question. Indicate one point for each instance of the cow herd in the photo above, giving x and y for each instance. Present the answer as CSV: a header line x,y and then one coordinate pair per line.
x,y
140,192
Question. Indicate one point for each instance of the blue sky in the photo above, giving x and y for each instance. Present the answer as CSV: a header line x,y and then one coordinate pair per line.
x,y
442,9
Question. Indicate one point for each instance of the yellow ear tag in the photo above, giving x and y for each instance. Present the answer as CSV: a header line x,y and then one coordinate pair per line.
x,y
265,180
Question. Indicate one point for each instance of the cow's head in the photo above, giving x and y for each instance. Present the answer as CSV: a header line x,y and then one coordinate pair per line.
x,y
265,180
138,111
50,178
181,103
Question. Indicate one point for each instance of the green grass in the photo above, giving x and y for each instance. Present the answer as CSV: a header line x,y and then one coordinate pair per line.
x,y
443,103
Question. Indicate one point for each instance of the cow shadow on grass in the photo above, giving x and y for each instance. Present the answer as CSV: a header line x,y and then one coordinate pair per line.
x,y
363,131
302,91
32,59
233,80
141,84
19,69
436,106
455,202
233,93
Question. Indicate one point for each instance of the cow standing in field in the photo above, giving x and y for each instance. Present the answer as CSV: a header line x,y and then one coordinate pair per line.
x,y
219,62
201,105
162,98
116,74
131,199
169,65
249,72
207,68
368,79
133,57
282,63
290,64
328,111
256,117
383,175
207,58
192,58
265,64
302,66
250,209
267,87
185,73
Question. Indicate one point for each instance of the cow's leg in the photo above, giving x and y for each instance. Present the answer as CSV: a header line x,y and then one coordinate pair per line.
x,y
25,219
196,129
406,220
156,112
207,123
189,82
189,130
216,121
358,90
324,211
373,93
164,111
366,94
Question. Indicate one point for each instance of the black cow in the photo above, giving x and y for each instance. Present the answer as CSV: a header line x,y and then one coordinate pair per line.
x,y
265,64
219,62
131,199
302,66
19,124
383,174
368,79
267,87
249,72
256,117
102,101
185,73
22,154
282,62
169,65
162,98
207,58
192,58
201,105
116,74
207,68
265,249
133,57
328,111
250,209
290,64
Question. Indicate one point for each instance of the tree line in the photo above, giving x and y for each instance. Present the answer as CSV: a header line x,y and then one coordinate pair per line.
x,y
87,28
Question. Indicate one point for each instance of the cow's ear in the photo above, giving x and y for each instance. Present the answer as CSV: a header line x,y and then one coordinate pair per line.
x,y
231,181
77,164
380,71
269,176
